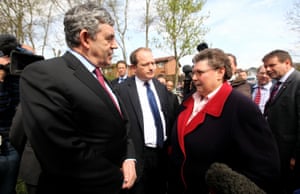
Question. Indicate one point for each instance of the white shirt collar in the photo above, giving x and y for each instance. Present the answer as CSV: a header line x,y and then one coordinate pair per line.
x,y
285,77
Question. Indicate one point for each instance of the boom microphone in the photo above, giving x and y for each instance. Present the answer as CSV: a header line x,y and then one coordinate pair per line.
x,y
187,70
202,46
222,179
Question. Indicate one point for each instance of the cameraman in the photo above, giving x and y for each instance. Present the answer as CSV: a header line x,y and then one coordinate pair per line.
x,y
9,99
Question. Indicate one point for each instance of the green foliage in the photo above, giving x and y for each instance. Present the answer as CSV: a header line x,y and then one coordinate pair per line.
x,y
110,77
181,26
20,187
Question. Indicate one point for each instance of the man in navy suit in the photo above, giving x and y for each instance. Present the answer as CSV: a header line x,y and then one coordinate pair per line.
x,y
75,123
151,156
283,114
122,73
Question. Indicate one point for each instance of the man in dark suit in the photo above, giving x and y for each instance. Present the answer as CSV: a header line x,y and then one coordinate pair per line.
x,y
283,114
74,122
122,73
151,156
30,169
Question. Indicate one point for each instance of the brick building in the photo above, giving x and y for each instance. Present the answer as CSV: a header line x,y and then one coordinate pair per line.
x,y
165,66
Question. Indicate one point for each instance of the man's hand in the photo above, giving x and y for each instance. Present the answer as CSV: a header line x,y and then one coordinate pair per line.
x,y
292,163
129,173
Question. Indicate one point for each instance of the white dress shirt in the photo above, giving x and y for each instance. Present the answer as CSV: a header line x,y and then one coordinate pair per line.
x,y
200,102
91,68
148,119
265,91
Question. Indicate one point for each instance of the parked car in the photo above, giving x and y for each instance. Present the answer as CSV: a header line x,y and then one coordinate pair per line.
x,y
251,79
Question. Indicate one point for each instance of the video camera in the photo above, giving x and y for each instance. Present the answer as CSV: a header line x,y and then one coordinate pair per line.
x,y
20,58
187,70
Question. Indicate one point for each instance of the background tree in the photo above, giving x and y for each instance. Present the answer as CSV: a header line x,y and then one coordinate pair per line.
x,y
57,36
119,12
180,26
293,19
293,16
19,17
148,21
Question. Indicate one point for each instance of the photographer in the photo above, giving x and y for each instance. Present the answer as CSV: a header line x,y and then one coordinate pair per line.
x,y
9,99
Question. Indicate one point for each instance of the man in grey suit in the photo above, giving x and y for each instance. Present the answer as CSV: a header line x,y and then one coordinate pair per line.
x,y
151,153
283,114
76,125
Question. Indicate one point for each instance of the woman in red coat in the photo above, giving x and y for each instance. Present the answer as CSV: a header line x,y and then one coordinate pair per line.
x,y
218,124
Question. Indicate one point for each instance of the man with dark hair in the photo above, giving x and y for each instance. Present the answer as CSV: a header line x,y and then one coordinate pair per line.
x,y
283,114
238,80
9,99
122,72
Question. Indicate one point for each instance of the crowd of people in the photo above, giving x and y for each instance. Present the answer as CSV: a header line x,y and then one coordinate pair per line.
x,y
65,128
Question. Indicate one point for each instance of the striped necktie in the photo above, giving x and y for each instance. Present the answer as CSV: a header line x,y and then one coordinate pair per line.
x,y
257,96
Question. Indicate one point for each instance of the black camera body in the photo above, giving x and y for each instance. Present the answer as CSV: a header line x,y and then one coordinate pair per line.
x,y
20,58
187,70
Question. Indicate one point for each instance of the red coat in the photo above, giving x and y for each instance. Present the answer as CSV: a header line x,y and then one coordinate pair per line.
x,y
230,129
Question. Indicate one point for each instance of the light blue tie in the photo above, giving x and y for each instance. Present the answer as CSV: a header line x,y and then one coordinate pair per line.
x,y
121,79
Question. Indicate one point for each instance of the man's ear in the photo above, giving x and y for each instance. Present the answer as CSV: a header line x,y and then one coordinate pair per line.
x,y
84,38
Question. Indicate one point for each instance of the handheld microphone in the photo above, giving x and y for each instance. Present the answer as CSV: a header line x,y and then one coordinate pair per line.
x,y
222,179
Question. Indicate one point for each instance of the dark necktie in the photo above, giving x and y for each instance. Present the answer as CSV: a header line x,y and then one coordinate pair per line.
x,y
102,83
257,96
272,97
121,79
274,91
156,115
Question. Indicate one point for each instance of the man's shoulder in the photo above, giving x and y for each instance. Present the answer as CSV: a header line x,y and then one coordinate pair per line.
x,y
125,86
114,81
297,74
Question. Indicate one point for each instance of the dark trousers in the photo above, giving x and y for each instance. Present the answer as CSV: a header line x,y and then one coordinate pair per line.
x,y
9,166
31,189
154,176
290,179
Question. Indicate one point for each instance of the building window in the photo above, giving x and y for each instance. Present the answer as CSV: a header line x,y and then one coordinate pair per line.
x,y
160,65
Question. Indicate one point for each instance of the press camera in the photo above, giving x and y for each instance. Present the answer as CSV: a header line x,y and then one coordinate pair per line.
x,y
20,58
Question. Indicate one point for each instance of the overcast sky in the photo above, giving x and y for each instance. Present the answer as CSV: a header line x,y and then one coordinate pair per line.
x,y
246,28
250,28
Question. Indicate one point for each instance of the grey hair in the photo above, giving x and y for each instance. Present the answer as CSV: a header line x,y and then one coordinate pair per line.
x,y
85,16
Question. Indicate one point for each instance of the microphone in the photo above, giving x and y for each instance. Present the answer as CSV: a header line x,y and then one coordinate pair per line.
x,y
222,179
187,70
202,46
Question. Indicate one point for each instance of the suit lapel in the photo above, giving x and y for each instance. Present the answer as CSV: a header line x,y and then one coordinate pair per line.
x,y
284,86
134,98
161,95
90,81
